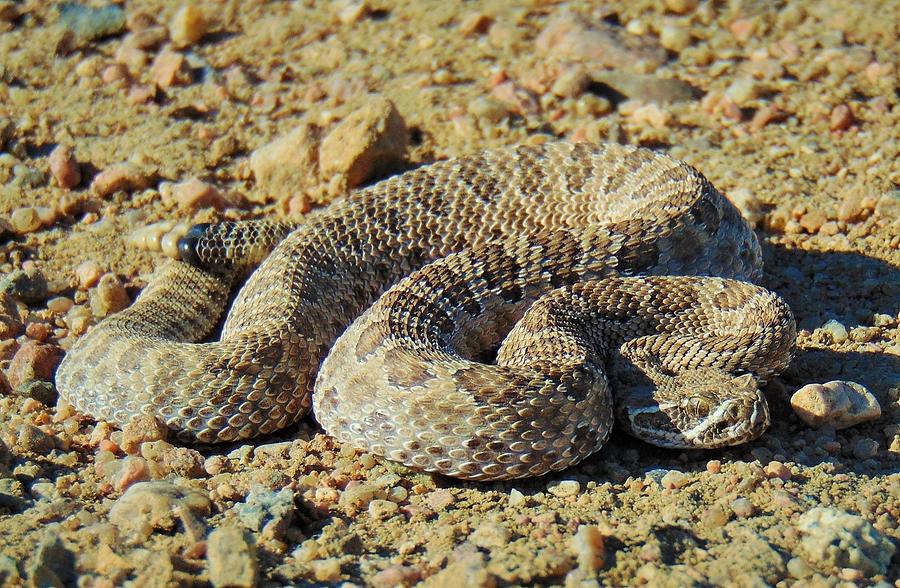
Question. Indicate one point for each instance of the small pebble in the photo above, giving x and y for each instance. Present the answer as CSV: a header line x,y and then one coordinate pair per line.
x,y
841,118
188,26
268,512
564,488
571,83
487,109
742,507
382,509
34,440
78,319
589,548
33,361
490,535
749,205
161,505
645,88
516,498
370,141
674,38
851,209
742,91
714,516
88,274
122,177
194,194
28,285
396,576
327,570
673,479
813,220
361,495
115,74
89,23
835,330
776,469
864,448
440,499
40,390
64,167
170,68
141,429
888,206
283,166
109,296
25,220
572,37
59,305
798,568
351,11
838,403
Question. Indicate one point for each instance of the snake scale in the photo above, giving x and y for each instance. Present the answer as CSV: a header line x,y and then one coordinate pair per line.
x,y
486,317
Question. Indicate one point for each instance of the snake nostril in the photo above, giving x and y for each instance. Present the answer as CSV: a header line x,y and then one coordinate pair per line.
x,y
187,245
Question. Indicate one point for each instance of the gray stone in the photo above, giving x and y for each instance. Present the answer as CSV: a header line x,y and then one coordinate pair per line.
x,y
834,538
267,512
29,286
88,24
40,390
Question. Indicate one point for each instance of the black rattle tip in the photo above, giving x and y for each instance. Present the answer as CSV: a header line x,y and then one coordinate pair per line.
x,y
187,245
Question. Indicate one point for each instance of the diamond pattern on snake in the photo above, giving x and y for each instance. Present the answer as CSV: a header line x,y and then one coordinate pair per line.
x,y
487,317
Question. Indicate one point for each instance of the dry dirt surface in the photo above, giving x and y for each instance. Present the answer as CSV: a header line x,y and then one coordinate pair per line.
x,y
118,116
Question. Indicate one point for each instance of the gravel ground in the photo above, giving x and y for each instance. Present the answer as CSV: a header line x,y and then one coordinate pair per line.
x,y
115,118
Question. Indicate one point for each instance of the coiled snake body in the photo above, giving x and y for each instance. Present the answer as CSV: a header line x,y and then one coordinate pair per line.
x,y
480,317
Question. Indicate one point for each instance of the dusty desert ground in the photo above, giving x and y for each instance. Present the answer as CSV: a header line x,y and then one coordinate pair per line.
x,y
117,116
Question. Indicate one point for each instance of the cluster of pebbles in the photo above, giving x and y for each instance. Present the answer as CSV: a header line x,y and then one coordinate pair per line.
x,y
170,115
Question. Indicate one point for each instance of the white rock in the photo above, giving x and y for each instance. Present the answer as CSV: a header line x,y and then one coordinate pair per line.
x,y
838,403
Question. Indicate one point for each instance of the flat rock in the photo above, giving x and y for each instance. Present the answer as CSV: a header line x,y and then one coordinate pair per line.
x,y
571,36
646,88
838,403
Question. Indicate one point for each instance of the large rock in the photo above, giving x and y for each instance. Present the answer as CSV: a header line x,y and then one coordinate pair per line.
x,y
369,142
838,403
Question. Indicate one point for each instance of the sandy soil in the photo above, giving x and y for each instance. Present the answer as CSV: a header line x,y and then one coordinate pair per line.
x,y
790,108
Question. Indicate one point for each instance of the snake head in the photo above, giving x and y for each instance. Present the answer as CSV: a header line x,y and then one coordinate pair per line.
x,y
701,409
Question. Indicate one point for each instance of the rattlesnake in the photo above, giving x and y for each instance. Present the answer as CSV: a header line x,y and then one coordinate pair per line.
x,y
436,268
